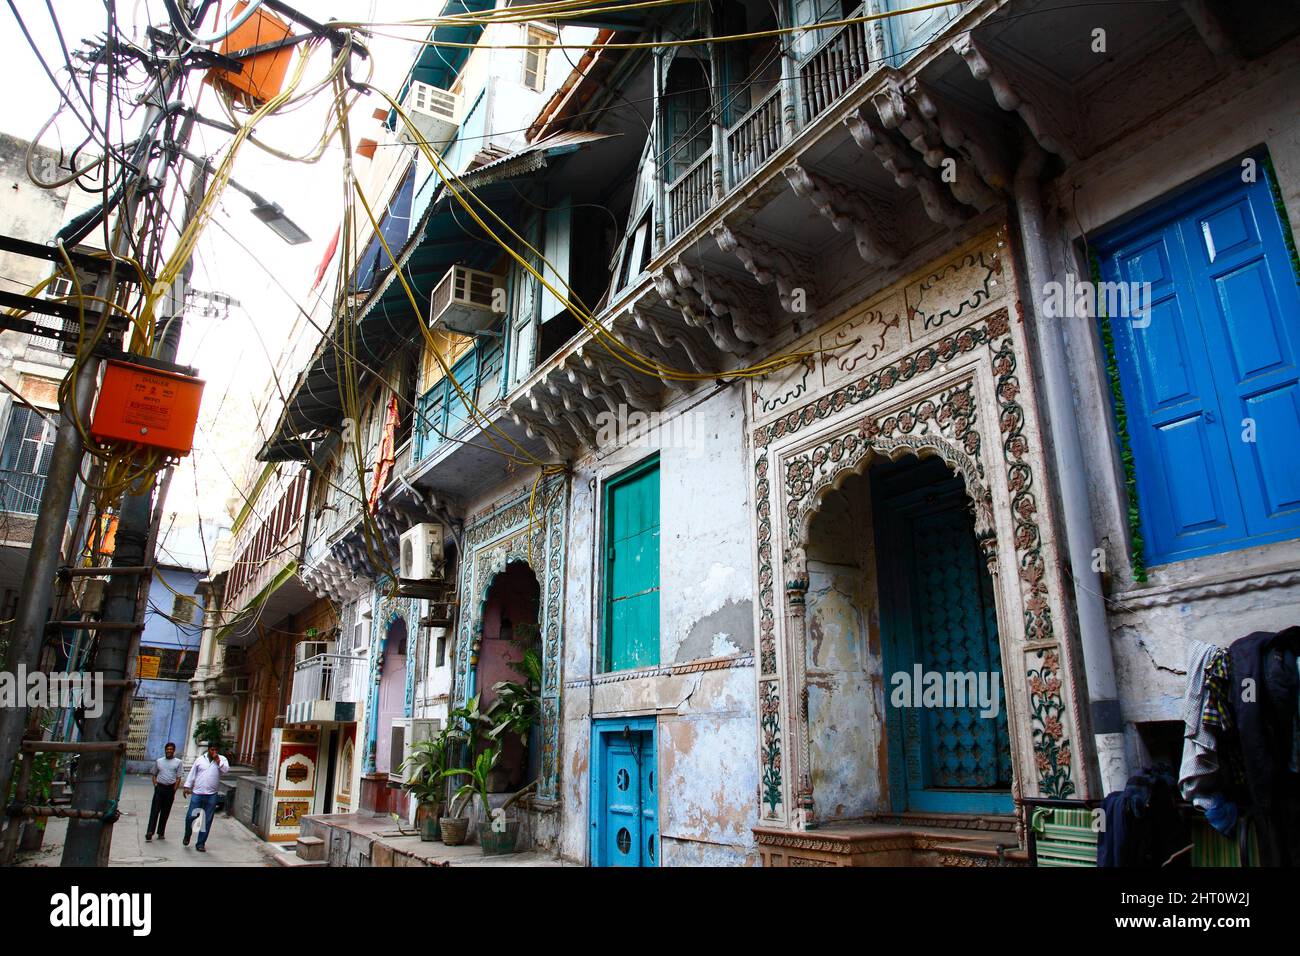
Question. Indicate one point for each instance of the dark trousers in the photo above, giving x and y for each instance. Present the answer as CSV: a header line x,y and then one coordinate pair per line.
x,y
160,809
201,805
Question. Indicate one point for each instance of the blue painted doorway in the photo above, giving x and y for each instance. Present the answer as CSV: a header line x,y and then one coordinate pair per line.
x,y
624,793
938,617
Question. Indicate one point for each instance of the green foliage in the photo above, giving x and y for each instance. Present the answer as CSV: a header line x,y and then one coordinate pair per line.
x,y
1136,543
477,784
518,705
212,730
424,768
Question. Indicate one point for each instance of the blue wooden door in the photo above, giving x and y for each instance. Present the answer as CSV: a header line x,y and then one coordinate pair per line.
x,y
938,617
625,799
1209,376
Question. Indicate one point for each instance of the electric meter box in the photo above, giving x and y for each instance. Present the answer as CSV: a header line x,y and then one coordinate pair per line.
x,y
263,74
148,406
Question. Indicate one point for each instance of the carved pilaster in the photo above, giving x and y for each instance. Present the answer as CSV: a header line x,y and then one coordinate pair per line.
x,y
796,591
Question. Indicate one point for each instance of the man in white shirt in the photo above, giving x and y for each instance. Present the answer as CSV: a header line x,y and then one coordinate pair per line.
x,y
204,777
166,781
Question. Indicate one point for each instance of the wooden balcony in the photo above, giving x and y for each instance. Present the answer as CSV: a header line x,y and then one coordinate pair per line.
x,y
839,62
690,195
755,137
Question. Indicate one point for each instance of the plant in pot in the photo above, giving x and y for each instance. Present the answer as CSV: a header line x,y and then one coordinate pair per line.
x,y
476,785
425,783
518,706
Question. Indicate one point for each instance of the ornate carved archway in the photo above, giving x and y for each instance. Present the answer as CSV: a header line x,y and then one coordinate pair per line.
x,y
933,366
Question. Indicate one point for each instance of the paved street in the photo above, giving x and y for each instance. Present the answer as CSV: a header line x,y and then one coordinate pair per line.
x,y
230,844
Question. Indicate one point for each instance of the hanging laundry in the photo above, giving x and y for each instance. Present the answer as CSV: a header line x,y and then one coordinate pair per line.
x,y
1143,826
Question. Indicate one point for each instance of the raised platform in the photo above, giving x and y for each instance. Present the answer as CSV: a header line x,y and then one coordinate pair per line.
x,y
353,839
897,840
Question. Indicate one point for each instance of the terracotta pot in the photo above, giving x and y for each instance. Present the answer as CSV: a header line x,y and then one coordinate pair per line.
x,y
498,842
454,830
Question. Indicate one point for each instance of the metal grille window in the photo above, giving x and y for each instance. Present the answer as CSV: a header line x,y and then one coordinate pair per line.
x,y
25,460
183,608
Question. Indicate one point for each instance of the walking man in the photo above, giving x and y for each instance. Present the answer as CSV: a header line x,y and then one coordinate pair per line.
x,y
166,781
203,779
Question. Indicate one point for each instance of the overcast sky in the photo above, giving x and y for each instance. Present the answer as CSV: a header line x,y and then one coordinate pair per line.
x,y
236,355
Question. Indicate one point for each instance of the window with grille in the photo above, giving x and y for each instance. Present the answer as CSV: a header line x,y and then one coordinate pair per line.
x,y
28,442
183,608
539,42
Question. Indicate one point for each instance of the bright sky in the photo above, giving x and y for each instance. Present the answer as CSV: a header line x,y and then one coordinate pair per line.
x,y
237,355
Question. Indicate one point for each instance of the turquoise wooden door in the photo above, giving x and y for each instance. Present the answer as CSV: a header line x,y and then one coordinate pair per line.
x,y
632,568
625,800
1211,374
938,617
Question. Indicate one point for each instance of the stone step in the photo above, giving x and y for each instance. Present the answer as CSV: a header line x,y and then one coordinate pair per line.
x,y
284,858
311,848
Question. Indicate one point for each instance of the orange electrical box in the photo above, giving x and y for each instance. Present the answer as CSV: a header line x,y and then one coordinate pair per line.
x,y
263,73
149,406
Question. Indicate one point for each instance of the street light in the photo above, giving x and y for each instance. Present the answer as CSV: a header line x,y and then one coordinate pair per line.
x,y
269,212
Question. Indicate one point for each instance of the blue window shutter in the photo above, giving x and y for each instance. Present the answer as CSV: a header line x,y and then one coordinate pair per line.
x,y
1220,350
559,236
632,568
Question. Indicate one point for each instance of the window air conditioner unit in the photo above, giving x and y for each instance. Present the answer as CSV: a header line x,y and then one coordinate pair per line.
x,y
421,553
432,111
306,650
463,301
406,733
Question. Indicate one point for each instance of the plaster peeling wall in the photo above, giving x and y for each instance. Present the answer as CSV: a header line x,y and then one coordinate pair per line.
x,y
1220,597
703,689
845,703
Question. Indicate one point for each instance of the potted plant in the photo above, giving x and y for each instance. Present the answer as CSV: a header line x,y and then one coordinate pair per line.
x,y
476,785
517,706
425,783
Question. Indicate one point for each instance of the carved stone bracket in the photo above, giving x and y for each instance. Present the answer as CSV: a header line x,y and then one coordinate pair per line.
x,y
896,113
1014,95
963,132
770,265
938,202
848,211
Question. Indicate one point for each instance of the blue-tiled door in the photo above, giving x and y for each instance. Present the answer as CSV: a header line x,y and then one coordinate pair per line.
x,y
1209,374
939,617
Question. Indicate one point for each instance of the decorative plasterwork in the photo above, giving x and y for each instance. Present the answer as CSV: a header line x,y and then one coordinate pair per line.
x,y
531,529
947,382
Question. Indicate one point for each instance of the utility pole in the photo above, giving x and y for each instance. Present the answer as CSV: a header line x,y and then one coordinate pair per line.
x,y
65,464
99,776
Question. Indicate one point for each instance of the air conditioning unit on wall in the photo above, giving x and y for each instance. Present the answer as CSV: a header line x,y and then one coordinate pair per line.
x,y
405,734
421,553
432,111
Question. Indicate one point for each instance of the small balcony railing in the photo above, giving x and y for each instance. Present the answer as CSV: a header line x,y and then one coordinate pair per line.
x,y
333,677
839,62
755,137
690,195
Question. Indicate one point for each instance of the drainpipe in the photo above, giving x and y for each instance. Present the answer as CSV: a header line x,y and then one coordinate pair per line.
x,y
1098,661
